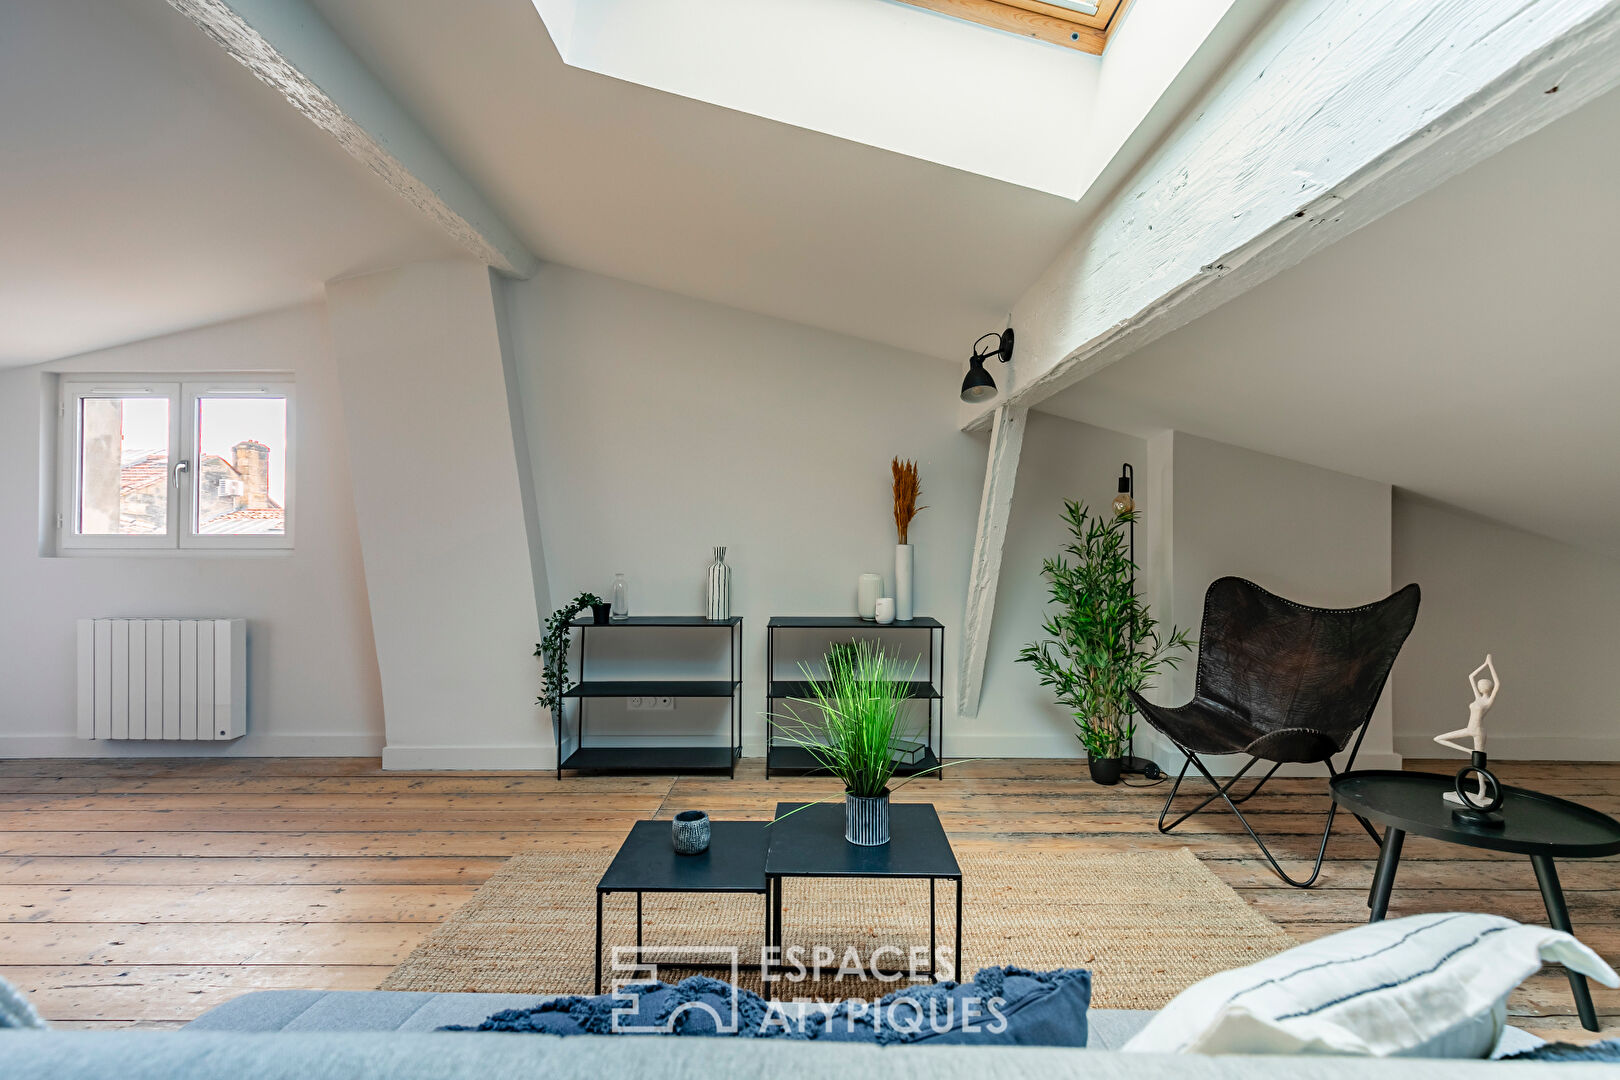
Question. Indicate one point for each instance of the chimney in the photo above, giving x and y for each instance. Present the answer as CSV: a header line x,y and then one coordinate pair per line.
x,y
253,466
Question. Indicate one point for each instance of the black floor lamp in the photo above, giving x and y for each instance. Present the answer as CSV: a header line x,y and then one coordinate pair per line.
x,y
1125,503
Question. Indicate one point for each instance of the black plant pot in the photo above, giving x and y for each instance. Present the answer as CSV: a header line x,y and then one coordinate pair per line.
x,y
601,614
1105,770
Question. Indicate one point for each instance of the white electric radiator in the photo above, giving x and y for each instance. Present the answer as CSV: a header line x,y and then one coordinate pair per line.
x,y
162,678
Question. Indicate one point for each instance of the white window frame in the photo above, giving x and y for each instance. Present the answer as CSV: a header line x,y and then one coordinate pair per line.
x,y
184,395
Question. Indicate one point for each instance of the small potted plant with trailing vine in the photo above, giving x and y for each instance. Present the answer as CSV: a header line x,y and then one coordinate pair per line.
x,y
553,651
857,733
1102,639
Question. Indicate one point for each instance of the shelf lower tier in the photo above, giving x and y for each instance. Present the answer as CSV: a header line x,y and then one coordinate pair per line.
x,y
649,759
797,761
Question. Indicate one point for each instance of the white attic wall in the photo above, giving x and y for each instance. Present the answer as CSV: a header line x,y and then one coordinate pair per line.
x,y
1543,609
1311,535
708,425
441,516
313,687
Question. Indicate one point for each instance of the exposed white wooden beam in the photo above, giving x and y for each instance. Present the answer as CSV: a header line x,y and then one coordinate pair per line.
x,y
1338,112
1000,473
288,46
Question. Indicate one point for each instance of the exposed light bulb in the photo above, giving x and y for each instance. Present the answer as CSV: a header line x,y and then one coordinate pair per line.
x,y
1123,503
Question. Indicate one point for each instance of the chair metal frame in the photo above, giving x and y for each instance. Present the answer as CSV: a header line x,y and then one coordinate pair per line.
x,y
1223,791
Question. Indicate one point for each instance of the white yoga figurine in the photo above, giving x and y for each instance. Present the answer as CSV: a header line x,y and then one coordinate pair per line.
x,y
1484,691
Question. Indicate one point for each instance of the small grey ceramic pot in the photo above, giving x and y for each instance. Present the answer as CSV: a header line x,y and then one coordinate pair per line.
x,y
689,832
866,821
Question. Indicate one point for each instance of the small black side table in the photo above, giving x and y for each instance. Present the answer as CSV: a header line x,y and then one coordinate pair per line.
x,y
647,862
811,844
1536,825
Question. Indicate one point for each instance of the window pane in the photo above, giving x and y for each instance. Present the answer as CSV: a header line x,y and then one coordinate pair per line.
x,y
123,466
241,466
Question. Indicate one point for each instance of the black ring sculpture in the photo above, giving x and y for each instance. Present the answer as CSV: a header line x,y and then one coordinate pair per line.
x,y
1478,813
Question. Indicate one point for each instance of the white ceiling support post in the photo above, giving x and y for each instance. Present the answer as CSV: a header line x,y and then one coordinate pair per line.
x,y
289,47
1155,581
441,518
1000,473
1340,111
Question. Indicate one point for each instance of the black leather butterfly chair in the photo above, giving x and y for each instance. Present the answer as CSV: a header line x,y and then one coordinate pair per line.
x,y
1282,682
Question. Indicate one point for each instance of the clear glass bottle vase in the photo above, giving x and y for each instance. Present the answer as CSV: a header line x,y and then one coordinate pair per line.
x,y
621,597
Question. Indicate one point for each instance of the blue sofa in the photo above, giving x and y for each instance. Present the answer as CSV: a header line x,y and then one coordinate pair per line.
x,y
377,1035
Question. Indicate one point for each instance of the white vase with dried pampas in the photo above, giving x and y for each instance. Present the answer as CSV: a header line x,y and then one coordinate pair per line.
x,y
907,486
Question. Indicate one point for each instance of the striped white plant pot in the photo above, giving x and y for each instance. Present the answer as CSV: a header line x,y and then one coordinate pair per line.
x,y
866,821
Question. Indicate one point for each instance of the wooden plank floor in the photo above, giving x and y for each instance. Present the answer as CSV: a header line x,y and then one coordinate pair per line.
x,y
139,892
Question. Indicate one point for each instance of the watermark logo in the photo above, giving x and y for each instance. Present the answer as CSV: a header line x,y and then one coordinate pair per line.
x,y
885,964
638,965
793,975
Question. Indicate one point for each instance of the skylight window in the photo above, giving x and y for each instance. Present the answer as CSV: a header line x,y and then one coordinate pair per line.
x,y
1052,117
1074,24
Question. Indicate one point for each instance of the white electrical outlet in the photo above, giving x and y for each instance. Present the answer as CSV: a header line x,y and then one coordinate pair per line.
x,y
651,704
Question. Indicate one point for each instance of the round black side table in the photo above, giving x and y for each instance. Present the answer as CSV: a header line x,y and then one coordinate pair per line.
x,y
1536,825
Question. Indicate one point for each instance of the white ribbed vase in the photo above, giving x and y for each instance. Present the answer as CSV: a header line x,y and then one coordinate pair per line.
x,y
904,563
866,821
719,587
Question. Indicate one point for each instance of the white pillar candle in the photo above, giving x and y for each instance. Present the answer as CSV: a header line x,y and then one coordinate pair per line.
x,y
868,589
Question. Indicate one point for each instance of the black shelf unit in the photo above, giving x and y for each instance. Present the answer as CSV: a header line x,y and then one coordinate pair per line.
x,y
626,760
788,760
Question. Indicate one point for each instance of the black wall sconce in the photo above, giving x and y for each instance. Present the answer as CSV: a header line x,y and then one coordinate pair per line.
x,y
978,386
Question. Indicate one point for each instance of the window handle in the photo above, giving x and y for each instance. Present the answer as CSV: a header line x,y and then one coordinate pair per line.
x,y
180,469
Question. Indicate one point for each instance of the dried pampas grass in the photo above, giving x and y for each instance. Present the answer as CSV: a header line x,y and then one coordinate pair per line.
x,y
907,486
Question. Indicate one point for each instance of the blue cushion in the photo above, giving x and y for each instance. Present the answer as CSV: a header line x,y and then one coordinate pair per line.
x,y
1005,1006
1000,1007
695,1006
1562,1051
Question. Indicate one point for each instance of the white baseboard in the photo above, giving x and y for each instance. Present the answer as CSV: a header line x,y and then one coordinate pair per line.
x,y
1521,748
469,758
250,745
986,744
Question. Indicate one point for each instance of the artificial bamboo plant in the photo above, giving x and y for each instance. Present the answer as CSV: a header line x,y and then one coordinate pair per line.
x,y
1102,640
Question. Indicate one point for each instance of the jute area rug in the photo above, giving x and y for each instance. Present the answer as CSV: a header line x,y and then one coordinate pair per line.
x,y
1147,924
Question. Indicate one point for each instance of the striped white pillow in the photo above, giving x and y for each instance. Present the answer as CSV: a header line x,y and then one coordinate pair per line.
x,y
1423,986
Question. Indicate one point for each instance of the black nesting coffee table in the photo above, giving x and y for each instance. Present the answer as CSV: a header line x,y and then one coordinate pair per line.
x,y
647,862
1534,824
811,844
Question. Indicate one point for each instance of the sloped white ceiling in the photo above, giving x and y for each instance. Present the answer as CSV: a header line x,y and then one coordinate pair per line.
x,y
1465,347
705,201
148,183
